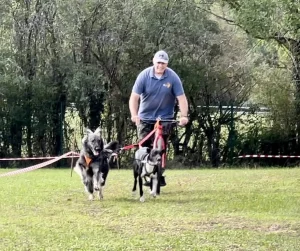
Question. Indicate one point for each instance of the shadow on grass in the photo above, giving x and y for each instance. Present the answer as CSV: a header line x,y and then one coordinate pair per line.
x,y
168,197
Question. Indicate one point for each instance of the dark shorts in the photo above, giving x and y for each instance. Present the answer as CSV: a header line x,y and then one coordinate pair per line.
x,y
144,128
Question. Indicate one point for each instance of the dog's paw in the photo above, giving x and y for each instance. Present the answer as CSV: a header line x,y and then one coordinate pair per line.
x,y
133,194
100,194
91,197
142,199
153,193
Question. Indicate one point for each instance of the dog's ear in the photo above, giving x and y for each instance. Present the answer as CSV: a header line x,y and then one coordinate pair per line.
x,y
88,131
98,131
148,149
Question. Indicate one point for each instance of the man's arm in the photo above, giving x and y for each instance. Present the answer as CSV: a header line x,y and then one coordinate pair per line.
x,y
184,109
134,106
183,105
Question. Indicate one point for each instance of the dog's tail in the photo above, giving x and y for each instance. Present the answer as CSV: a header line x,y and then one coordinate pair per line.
x,y
113,145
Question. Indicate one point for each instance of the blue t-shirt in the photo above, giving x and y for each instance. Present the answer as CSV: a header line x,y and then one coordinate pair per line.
x,y
157,96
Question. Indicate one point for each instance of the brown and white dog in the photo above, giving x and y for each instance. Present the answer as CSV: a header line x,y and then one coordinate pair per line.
x,y
93,163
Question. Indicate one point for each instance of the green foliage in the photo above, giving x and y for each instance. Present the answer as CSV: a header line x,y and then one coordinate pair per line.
x,y
266,18
278,69
85,55
277,94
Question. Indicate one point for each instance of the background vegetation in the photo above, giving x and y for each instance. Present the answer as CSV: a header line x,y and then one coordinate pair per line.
x,y
65,59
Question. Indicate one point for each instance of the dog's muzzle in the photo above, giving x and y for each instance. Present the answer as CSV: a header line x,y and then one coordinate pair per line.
x,y
97,151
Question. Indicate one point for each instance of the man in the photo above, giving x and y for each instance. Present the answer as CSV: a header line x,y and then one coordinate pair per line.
x,y
154,95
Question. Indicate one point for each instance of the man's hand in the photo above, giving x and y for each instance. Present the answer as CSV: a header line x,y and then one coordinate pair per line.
x,y
183,121
135,119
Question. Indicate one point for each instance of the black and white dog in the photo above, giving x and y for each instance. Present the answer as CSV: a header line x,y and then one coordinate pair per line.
x,y
147,163
93,163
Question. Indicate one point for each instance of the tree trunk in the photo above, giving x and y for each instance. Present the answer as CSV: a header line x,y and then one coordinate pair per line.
x,y
296,77
16,138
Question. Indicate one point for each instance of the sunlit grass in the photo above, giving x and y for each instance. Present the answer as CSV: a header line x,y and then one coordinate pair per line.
x,y
198,210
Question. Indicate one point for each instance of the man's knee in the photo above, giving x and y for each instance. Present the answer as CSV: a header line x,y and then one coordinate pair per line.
x,y
143,130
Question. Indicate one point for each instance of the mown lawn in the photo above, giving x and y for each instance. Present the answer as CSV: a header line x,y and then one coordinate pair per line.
x,y
242,209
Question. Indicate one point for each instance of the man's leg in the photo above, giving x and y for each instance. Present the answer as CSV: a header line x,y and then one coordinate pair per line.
x,y
143,129
168,128
163,177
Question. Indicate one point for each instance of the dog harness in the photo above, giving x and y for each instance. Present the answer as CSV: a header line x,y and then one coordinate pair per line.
x,y
87,160
146,162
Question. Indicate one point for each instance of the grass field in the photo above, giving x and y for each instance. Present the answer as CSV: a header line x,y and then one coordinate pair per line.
x,y
242,209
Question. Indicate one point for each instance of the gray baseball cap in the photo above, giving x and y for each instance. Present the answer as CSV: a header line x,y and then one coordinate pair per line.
x,y
161,57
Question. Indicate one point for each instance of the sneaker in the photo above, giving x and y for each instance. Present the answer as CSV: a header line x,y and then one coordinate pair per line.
x,y
162,182
146,183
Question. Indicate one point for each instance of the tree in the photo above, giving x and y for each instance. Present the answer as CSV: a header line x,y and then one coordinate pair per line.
x,y
272,21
